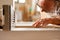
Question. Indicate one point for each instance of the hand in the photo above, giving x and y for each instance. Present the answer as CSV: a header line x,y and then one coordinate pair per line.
x,y
42,22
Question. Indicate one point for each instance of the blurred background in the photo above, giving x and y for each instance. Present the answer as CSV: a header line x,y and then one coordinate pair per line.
x,y
26,10
20,13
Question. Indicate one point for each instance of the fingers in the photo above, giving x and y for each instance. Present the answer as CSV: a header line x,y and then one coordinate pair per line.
x,y
36,24
41,23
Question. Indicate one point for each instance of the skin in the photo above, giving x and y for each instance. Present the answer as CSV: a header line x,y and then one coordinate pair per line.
x,y
0,19
47,6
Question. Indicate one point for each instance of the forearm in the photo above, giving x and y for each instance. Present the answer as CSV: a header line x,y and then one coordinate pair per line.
x,y
55,21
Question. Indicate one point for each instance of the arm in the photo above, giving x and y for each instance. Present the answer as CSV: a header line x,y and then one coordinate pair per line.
x,y
46,21
56,21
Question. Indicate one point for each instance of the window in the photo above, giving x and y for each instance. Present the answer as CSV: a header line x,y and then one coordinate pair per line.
x,y
21,1
26,13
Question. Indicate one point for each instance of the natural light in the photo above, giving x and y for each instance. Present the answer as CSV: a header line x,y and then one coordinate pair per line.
x,y
20,1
